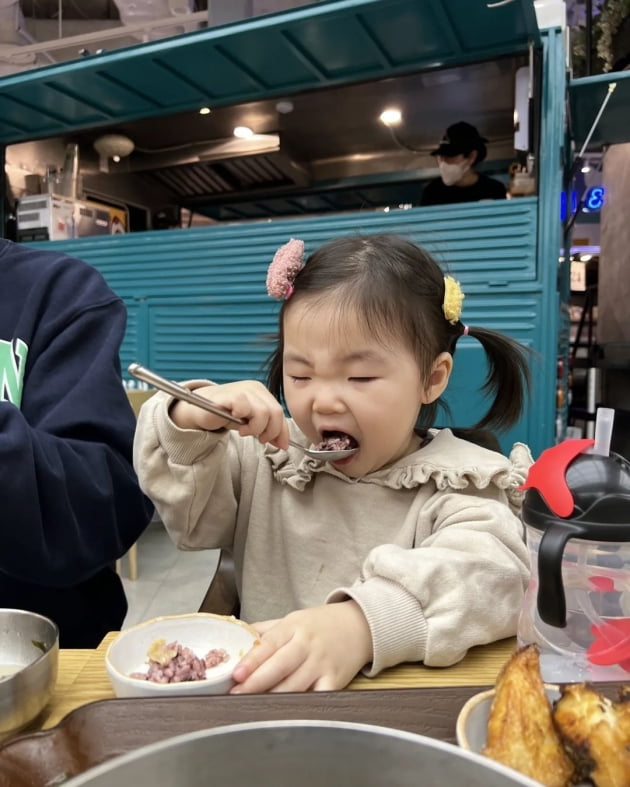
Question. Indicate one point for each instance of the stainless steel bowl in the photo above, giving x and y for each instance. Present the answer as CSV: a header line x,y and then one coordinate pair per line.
x,y
29,652
300,754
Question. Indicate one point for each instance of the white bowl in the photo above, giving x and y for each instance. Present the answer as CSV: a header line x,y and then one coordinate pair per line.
x,y
471,727
199,631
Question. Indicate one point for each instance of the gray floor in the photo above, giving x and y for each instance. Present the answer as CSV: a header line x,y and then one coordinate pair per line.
x,y
169,581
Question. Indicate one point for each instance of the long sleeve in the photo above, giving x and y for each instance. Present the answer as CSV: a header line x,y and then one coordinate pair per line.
x,y
461,586
70,499
192,476
431,548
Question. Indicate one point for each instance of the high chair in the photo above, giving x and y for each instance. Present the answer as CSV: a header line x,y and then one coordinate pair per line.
x,y
222,596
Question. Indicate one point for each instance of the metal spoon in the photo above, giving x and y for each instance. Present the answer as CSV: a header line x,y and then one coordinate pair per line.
x,y
179,392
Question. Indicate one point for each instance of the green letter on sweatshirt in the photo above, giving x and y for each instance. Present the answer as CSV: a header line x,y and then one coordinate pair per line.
x,y
12,366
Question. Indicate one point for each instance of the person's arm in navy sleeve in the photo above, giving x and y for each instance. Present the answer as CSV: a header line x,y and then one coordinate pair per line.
x,y
70,502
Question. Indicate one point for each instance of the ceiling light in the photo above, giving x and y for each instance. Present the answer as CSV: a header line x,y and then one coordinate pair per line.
x,y
112,146
284,107
390,116
243,132
116,158
205,111
586,168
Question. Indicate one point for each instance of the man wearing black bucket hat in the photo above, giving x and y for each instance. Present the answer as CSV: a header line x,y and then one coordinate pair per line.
x,y
460,149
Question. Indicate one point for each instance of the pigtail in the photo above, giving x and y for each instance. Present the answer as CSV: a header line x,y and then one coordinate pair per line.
x,y
508,381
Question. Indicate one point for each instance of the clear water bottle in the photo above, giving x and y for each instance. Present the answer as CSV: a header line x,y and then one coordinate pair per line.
x,y
577,606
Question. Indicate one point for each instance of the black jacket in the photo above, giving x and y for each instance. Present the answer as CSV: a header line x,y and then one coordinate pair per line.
x,y
437,193
69,498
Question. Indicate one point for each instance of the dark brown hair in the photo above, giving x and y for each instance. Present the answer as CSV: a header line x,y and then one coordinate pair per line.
x,y
397,288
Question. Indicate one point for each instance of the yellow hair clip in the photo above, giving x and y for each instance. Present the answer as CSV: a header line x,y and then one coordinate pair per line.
x,y
453,297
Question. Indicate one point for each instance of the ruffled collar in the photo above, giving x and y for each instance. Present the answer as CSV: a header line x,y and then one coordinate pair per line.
x,y
447,461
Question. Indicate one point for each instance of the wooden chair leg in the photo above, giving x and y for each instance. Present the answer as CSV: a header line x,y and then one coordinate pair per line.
x,y
132,556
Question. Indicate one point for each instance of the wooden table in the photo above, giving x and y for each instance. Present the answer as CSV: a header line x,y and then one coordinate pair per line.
x,y
93,731
82,677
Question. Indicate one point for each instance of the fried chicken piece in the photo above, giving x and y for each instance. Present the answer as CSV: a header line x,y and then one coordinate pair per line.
x,y
597,733
521,733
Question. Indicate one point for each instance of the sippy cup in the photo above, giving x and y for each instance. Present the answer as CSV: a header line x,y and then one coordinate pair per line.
x,y
576,513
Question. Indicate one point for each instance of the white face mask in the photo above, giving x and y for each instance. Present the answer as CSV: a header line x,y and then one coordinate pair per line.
x,y
452,173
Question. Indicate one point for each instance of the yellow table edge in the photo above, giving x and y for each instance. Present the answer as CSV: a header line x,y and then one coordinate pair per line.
x,y
82,677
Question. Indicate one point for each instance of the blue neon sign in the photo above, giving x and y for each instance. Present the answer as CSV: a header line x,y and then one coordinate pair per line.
x,y
594,198
593,201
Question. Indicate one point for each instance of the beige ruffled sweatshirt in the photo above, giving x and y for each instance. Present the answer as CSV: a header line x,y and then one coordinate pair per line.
x,y
430,547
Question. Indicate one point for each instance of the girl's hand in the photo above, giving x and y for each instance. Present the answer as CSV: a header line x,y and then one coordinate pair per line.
x,y
317,649
247,399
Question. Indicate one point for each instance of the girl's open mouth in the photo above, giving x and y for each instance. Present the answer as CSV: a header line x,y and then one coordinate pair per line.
x,y
336,441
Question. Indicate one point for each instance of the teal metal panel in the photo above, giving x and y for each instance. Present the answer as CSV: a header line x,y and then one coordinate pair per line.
x,y
198,306
431,35
586,98
512,313
323,44
18,117
294,68
501,27
217,75
49,106
486,244
220,339
105,97
549,243
142,81
338,50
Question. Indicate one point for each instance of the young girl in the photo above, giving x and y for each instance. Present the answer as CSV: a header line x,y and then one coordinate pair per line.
x,y
409,550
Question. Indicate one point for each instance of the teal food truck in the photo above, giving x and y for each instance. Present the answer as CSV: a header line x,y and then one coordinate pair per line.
x,y
195,296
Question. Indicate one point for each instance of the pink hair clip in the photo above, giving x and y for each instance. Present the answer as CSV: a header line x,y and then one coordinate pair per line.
x,y
287,262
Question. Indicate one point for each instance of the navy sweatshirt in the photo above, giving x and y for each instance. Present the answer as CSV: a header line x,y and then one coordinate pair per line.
x,y
69,498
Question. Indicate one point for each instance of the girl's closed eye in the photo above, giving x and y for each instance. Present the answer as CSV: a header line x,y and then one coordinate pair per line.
x,y
362,379
296,379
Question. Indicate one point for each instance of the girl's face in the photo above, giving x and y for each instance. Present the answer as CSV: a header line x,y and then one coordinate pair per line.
x,y
339,379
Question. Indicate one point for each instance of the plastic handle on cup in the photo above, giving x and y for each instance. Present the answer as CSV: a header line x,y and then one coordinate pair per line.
x,y
551,602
